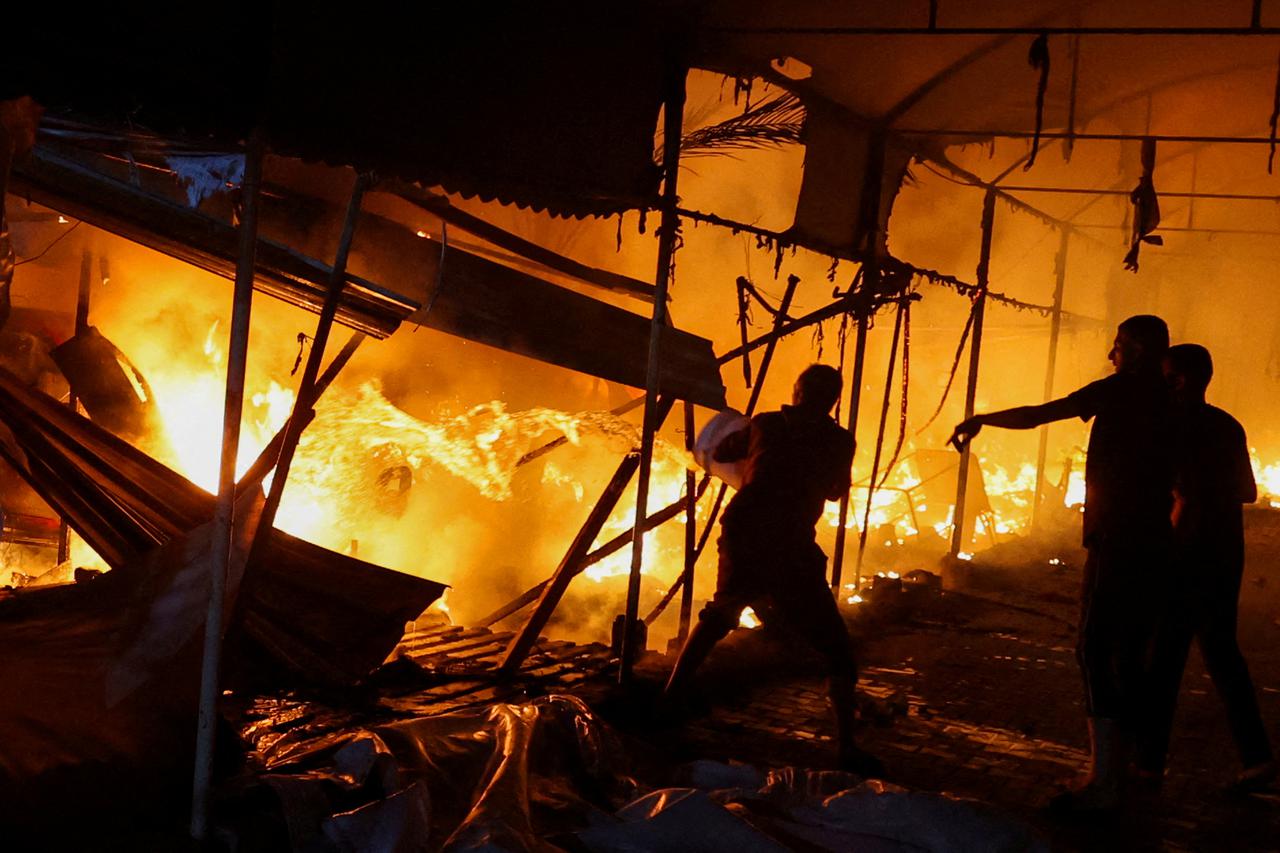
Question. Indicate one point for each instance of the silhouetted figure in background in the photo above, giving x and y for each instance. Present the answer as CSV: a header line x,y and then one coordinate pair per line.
x,y
1128,497
795,460
1214,479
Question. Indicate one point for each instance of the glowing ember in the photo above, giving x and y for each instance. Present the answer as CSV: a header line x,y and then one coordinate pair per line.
x,y
964,555
854,599
1267,476
748,619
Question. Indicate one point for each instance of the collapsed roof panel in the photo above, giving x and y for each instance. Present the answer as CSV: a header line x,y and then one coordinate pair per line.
x,y
468,296
62,183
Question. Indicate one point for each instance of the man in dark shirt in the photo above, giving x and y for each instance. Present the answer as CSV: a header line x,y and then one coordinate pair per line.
x,y
795,460
1128,496
1214,479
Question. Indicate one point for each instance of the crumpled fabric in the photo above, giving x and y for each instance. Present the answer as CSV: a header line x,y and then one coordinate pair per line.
x,y
1146,207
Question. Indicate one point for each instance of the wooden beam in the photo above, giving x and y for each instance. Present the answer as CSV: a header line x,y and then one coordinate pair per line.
x,y
520,645
307,396
223,519
673,118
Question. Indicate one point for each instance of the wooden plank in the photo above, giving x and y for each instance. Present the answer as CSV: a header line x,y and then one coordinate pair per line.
x,y
486,302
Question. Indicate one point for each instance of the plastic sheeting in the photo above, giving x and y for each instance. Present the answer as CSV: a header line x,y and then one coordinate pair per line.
x,y
548,775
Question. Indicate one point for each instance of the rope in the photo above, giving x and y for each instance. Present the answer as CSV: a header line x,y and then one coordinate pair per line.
x,y
955,366
884,417
905,309
1039,58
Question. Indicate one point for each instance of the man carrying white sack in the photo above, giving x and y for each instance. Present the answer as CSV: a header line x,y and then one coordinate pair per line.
x,y
793,461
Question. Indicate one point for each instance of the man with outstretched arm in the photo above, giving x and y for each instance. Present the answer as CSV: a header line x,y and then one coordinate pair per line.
x,y
1215,478
1127,531
795,460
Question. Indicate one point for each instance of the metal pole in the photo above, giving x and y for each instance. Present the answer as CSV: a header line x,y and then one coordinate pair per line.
x,y
220,558
82,325
975,351
855,401
1055,330
673,112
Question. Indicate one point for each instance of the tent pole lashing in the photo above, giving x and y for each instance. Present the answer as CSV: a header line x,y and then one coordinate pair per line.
x,y
975,352
233,406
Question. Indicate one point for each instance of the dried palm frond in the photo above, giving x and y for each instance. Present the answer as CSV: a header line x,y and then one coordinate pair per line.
x,y
773,124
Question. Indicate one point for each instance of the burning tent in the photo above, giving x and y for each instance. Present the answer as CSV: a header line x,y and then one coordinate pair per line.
x,y
876,91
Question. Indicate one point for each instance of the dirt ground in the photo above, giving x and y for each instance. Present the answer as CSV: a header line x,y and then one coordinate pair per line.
x,y
982,697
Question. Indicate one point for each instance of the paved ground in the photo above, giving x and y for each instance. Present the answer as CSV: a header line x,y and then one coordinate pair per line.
x,y
987,700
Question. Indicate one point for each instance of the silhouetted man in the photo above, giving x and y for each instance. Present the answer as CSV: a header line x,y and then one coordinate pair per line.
x,y
1214,480
795,460
1128,497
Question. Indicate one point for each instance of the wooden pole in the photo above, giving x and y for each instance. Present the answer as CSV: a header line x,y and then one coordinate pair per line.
x,y
855,401
267,458
304,403
872,244
608,549
875,461
975,352
1055,330
770,346
81,326
237,358
572,563
673,112
690,531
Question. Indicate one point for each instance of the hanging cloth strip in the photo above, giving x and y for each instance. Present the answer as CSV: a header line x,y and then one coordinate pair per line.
x,y
1275,117
1146,207
884,417
744,320
955,366
1039,59
904,308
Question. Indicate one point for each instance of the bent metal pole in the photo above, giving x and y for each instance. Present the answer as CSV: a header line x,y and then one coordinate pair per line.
x,y
673,118
221,551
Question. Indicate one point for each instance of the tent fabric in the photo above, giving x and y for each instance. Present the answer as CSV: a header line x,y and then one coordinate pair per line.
x,y
935,91
504,102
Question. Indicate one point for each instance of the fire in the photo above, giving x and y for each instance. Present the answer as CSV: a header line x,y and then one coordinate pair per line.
x,y
748,619
1268,479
